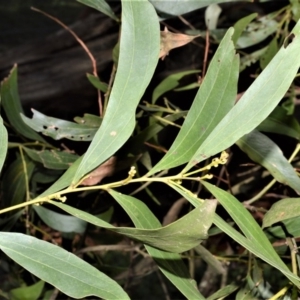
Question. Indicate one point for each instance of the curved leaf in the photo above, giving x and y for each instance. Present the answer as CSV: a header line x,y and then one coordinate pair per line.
x,y
257,102
12,106
32,292
60,222
139,50
264,151
177,237
170,264
282,210
64,270
214,99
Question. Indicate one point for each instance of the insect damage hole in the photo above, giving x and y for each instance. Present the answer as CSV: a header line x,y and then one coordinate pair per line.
x,y
288,40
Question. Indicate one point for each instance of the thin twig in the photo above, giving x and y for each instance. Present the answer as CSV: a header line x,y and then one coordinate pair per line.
x,y
205,54
82,44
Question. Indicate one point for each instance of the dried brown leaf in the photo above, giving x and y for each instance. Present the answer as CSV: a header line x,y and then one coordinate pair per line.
x,y
105,170
170,40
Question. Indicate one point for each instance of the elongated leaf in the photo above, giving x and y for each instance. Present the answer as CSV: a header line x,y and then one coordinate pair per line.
x,y
95,81
59,129
178,7
169,263
282,210
169,83
32,292
261,248
223,292
52,159
269,54
240,25
3,144
177,237
100,5
264,151
257,31
214,99
62,269
254,234
12,106
60,222
89,120
139,49
271,85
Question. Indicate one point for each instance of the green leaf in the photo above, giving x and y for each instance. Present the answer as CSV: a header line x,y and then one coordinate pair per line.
x,y
282,123
214,99
60,222
102,6
271,85
240,26
32,292
3,144
264,151
170,83
178,7
139,50
257,31
251,58
282,210
256,240
177,237
269,53
169,263
89,120
223,292
64,270
59,129
52,159
12,106
95,81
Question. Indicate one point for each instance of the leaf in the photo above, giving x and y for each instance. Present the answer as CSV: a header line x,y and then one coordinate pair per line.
x,y
169,263
102,6
52,159
170,40
3,144
32,292
139,48
214,99
223,292
177,237
282,210
59,129
240,25
89,120
264,151
251,58
169,83
60,222
179,7
269,53
106,169
271,85
257,31
282,123
95,81
257,242
12,106
64,270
